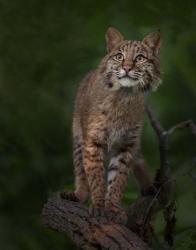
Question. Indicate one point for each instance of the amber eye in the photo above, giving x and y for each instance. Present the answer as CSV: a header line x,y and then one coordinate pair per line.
x,y
119,57
140,58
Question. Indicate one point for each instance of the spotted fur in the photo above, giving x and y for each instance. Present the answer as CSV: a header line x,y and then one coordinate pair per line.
x,y
111,122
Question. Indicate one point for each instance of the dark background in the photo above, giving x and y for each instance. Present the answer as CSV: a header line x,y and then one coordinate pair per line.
x,y
45,49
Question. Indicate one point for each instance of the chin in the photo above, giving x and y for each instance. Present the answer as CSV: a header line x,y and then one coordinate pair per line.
x,y
125,82
128,82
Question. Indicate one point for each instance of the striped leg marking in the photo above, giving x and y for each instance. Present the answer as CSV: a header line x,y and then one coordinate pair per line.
x,y
94,168
81,183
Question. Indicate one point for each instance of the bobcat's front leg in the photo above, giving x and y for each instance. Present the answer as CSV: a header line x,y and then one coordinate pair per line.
x,y
118,172
94,168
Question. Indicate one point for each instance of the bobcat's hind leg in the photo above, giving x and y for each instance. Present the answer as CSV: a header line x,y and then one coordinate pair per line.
x,y
81,192
144,181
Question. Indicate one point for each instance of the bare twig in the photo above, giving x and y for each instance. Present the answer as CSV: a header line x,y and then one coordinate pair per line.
x,y
163,179
190,124
163,137
154,121
169,215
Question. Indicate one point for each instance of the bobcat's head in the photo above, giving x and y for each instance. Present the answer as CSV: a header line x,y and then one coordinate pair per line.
x,y
130,63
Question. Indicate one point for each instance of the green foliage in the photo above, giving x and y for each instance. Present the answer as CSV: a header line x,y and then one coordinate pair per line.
x,y
45,49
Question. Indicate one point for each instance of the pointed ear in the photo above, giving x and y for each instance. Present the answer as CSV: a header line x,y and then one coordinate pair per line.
x,y
153,40
113,37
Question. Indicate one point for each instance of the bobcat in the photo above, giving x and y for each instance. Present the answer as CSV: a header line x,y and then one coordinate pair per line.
x,y
108,121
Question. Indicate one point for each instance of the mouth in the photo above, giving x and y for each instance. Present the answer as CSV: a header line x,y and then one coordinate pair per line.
x,y
128,78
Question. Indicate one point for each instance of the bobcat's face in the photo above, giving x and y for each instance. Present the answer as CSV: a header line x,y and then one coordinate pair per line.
x,y
132,64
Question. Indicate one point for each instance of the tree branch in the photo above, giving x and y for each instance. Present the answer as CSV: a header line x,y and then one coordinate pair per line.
x,y
73,219
163,179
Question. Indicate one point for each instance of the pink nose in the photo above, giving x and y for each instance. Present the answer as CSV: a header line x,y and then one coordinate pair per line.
x,y
127,68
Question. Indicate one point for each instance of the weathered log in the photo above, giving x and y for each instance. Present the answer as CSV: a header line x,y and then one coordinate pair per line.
x,y
73,219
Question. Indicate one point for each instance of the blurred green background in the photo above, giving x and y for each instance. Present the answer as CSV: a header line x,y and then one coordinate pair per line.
x,y
45,49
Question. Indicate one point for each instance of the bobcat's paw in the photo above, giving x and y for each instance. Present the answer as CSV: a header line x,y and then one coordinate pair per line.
x,y
68,195
116,214
96,211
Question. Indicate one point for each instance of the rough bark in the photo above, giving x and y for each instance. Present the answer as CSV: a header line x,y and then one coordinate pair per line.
x,y
73,219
